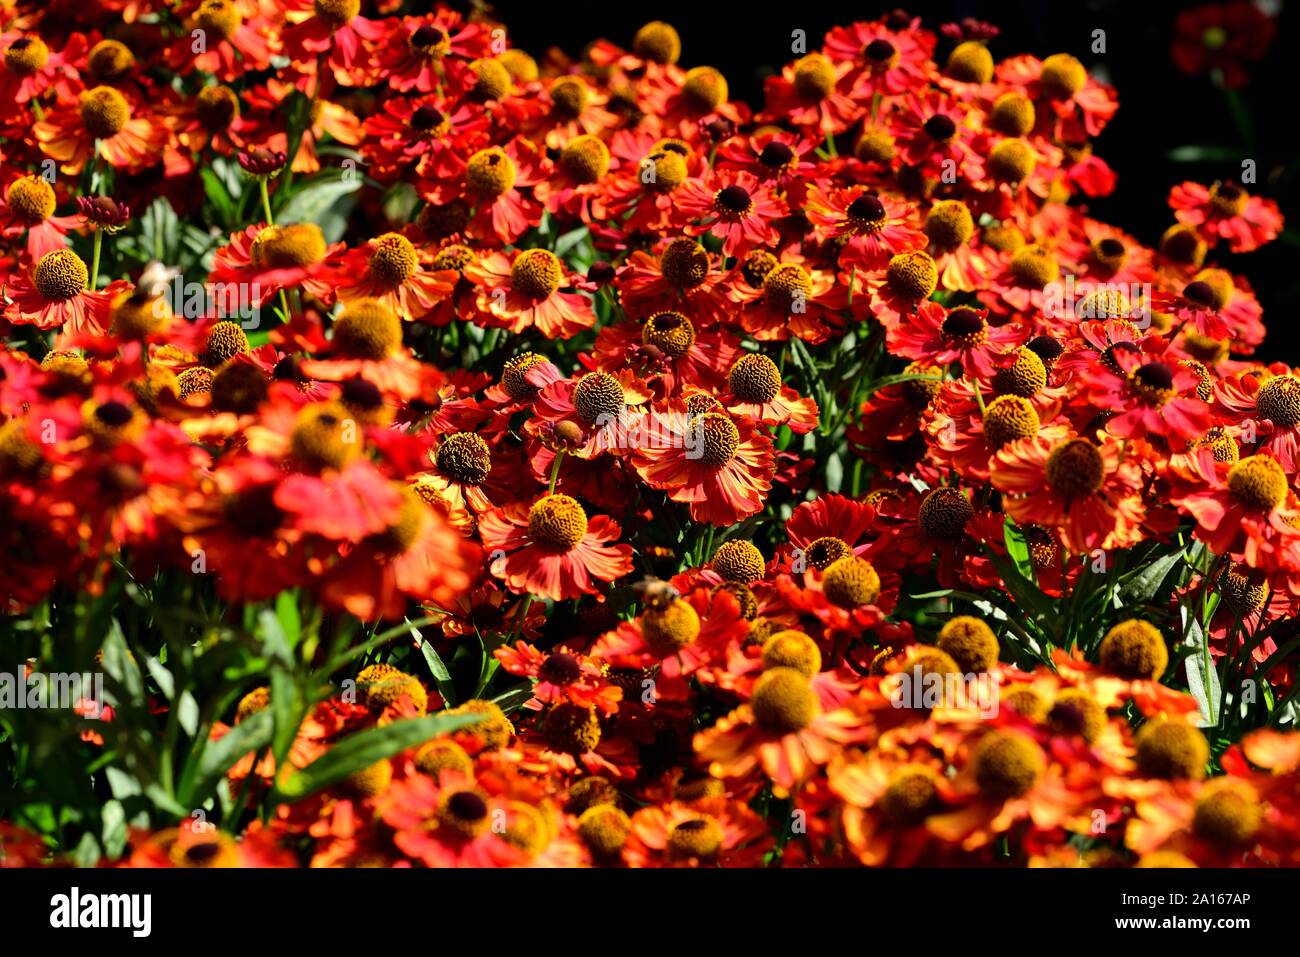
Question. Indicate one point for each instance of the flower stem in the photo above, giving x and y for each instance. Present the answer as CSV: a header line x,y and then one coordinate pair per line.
x,y
94,259
555,470
266,200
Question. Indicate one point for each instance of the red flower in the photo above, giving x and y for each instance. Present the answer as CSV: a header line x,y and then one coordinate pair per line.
x,y
551,549
1222,38
721,467
1226,211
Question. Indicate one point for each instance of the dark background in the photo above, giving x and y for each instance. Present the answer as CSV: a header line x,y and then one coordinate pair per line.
x,y
1160,108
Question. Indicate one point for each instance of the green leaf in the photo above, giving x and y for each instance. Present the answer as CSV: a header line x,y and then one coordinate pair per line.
x,y
1205,153
322,202
367,747
218,195
250,735
1018,549
1202,681
514,698
287,709
1152,582
1025,593
441,674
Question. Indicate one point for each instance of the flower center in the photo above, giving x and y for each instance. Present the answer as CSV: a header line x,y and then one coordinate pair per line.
x,y
536,273
512,376
788,287
216,107
585,159
1034,266
560,669
879,51
758,263
336,13
466,813
1258,482
738,561
1011,161
367,329
911,792
1228,199
1227,814
733,202
699,838
1154,382
814,76
1278,400
657,42
949,224
719,439
940,128
31,200
754,378
776,155
850,581
288,247
26,56
429,119
109,60
666,630
867,215
220,18
1108,254
913,275
670,332
1012,114
493,80
569,94
598,397
669,170
822,552
1007,764
965,327
1075,468
1024,377
571,729
944,513
490,172
684,263
464,457
783,701
557,521
705,88
324,436
430,42
1062,76
392,259
104,112
61,275
1007,418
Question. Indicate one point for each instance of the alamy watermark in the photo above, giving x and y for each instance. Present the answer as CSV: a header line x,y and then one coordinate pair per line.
x,y
921,689
83,691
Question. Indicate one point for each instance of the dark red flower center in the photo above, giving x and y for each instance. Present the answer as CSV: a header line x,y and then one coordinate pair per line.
x,y
775,155
879,51
940,128
560,669
734,199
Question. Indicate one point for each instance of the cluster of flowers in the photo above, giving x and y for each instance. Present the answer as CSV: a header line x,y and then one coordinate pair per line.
x,y
452,418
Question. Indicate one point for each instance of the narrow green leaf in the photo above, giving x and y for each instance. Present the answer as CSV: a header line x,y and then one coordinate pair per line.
x,y
250,735
365,748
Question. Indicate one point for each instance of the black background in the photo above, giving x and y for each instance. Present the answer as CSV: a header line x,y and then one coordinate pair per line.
x,y
1160,108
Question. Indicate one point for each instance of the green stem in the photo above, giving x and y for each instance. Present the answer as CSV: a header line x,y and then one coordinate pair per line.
x,y
266,204
94,259
555,470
